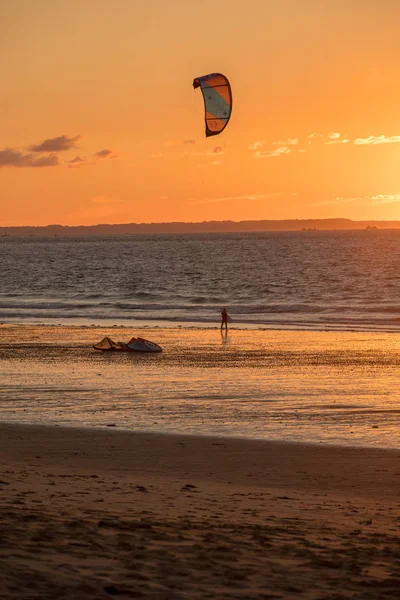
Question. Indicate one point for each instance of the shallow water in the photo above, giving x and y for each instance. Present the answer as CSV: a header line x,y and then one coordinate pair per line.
x,y
333,387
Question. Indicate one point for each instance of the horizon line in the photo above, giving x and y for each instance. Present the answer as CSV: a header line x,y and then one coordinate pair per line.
x,y
212,221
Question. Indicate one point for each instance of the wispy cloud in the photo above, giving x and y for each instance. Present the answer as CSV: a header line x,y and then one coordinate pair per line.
x,y
342,141
261,143
327,138
56,144
78,162
385,198
246,197
288,142
257,145
268,153
380,139
369,200
9,157
335,138
106,153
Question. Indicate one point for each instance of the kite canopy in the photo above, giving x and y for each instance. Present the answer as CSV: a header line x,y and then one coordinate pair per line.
x,y
217,96
134,345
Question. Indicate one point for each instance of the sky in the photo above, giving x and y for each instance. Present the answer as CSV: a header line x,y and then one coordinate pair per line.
x,y
99,121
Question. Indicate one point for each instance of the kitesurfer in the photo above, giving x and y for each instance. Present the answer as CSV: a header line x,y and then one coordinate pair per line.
x,y
224,319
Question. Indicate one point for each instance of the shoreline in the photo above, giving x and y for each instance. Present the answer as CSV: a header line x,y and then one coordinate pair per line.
x,y
97,514
206,326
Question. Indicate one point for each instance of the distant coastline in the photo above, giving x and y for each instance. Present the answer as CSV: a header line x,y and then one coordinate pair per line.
x,y
200,227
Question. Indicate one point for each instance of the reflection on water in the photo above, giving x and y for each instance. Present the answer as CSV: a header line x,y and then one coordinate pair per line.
x,y
224,337
339,388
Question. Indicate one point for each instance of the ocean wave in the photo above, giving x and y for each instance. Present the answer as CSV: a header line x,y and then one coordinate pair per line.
x,y
337,279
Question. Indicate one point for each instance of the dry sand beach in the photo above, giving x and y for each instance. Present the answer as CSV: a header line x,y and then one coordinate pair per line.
x,y
95,514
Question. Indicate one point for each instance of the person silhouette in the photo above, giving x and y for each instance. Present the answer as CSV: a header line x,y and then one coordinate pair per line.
x,y
224,319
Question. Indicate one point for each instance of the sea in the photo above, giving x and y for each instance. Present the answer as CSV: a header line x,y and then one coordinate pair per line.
x,y
340,280
312,354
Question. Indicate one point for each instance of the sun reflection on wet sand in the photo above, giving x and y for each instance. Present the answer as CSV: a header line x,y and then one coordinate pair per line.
x,y
332,387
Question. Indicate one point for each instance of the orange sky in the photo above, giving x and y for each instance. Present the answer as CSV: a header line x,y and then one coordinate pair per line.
x,y
315,128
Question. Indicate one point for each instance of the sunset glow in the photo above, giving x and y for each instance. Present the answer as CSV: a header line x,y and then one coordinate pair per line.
x,y
100,122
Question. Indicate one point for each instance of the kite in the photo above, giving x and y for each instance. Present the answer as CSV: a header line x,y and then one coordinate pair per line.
x,y
217,95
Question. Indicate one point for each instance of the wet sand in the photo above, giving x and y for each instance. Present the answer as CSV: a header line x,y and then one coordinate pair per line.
x,y
337,388
101,513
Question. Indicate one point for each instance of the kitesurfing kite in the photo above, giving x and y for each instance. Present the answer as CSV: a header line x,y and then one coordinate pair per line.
x,y
217,95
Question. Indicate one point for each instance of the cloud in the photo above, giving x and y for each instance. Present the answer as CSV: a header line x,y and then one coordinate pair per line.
x,y
246,197
46,161
343,141
217,150
328,139
313,136
78,162
370,200
14,158
374,140
57,144
288,142
162,198
75,160
257,145
189,141
269,153
335,138
385,198
106,153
